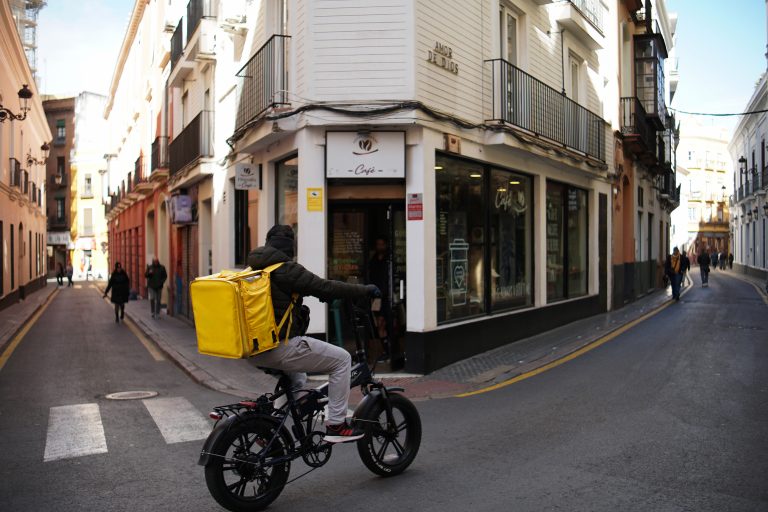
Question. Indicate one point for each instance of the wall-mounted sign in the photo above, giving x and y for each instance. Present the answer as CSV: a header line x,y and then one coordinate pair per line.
x,y
442,55
415,207
247,176
314,199
360,155
180,209
58,238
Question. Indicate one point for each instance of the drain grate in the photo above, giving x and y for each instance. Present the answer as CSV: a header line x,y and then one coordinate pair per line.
x,y
131,395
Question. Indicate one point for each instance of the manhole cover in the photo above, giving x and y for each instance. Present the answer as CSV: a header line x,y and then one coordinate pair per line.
x,y
131,395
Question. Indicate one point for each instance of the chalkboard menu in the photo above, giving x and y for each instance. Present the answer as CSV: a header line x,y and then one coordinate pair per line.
x,y
347,247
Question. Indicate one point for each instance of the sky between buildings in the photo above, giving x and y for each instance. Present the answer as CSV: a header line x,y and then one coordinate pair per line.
x,y
721,47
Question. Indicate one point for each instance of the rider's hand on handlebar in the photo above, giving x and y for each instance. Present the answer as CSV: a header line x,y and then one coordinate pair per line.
x,y
373,291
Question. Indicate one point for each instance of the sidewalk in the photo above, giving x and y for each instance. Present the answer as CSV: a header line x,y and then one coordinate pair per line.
x,y
242,379
13,318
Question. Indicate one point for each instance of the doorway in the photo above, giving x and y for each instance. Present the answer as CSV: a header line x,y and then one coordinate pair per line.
x,y
367,245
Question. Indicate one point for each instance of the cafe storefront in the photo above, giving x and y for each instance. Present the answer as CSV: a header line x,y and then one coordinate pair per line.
x,y
474,248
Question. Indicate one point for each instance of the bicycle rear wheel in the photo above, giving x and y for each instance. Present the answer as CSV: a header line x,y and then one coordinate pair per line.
x,y
385,450
239,476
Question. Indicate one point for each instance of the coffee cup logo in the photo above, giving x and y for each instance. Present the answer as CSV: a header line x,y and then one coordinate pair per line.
x,y
366,144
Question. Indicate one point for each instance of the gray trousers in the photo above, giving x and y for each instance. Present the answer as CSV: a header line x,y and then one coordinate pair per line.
x,y
304,354
155,300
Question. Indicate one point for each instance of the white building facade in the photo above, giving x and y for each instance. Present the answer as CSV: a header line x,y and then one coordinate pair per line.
x,y
470,136
702,221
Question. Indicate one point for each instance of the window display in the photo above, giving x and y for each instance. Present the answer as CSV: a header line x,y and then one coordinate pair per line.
x,y
567,237
483,215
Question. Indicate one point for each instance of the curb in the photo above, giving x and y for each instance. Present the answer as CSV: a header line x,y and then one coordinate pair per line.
x,y
23,324
757,287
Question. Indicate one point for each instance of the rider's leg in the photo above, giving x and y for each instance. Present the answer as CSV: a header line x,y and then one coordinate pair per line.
x,y
305,354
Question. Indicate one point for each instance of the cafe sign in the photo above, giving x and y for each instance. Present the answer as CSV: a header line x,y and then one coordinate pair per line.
x,y
365,155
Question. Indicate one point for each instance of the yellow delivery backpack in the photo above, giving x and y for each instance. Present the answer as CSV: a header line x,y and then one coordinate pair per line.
x,y
234,316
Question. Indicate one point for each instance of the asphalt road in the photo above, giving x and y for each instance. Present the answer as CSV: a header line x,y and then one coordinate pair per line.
x,y
670,416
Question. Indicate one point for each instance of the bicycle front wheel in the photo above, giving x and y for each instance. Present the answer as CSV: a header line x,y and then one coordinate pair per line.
x,y
241,476
388,449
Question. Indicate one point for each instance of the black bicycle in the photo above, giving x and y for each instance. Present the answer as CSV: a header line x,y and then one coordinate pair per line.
x,y
248,455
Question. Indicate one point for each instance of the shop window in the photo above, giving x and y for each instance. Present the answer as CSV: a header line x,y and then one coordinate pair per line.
x,y
511,250
287,190
567,239
484,233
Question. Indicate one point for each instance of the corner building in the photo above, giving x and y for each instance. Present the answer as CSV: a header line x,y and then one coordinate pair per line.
x,y
469,135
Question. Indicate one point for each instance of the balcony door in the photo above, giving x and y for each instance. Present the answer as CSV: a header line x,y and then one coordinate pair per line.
x,y
508,31
516,103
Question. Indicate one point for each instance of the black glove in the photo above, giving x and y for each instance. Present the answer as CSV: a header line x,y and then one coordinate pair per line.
x,y
373,291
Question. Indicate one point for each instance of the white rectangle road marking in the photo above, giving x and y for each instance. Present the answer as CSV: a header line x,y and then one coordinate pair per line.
x,y
74,431
177,419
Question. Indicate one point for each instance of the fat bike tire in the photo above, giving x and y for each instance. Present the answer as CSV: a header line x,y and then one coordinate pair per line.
x,y
235,477
386,452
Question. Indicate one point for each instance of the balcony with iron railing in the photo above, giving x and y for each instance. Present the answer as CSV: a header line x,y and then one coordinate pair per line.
x,y
583,19
649,25
195,44
525,102
194,142
141,183
159,159
197,10
639,136
263,81
177,44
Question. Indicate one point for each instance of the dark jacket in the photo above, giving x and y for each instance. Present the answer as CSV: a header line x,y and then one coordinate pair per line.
x,y
120,285
291,278
156,276
685,263
703,260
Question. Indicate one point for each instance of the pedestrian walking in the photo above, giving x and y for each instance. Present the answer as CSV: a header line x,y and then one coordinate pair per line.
x,y
120,284
713,259
60,274
730,261
70,272
721,260
703,260
686,266
674,269
156,276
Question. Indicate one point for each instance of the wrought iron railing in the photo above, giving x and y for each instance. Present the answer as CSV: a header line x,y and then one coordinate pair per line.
x,y
264,81
634,121
592,10
177,43
194,141
523,101
196,11
740,193
159,158
138,170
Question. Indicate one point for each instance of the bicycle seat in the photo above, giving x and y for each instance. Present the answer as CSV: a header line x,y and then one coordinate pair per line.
x,y
272,371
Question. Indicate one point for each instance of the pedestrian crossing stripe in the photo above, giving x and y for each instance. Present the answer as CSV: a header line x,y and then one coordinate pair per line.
x,y
74,431
77,430
177,419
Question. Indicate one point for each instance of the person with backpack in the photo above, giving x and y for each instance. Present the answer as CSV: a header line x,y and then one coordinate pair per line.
x,y
301,353
703,261
673,267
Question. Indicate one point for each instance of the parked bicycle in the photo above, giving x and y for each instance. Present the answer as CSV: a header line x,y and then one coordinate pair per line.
x,y
248,455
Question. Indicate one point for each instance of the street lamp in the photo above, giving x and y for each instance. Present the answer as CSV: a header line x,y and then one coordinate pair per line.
x,y
765,209
24,96
743,165
45,148
754,210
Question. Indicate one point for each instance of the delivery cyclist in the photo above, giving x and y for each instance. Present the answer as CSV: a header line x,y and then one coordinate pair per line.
x,y
301,353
